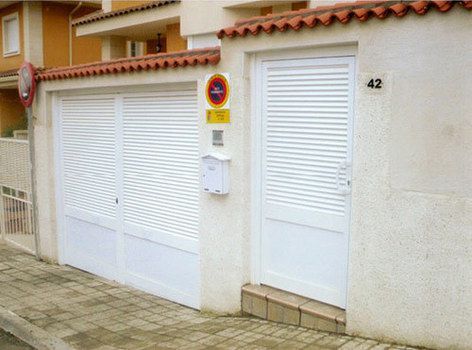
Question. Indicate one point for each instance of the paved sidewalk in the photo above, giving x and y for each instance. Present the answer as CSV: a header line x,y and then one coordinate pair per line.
x,y
9,342
91,313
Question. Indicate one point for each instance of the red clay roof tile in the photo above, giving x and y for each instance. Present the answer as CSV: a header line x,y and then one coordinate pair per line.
x,y
9,73
156,61
99,15
342,12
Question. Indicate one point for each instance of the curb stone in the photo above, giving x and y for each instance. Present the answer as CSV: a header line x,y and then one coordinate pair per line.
x,y
29,333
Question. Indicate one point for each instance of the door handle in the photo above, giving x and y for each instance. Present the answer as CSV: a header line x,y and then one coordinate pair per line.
x,y
346,188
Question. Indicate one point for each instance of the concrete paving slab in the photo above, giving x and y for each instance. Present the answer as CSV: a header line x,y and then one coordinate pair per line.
x,y
54,307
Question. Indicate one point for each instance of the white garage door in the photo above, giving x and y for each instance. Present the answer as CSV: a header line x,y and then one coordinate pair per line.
x,y
306,119
130,187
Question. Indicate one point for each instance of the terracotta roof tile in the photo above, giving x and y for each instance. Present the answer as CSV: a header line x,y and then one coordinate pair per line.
x,y
99,15
148,62
14,72
9,73
342,12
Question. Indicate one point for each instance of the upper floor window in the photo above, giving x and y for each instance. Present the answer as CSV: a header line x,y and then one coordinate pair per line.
x,y
135,48
11,35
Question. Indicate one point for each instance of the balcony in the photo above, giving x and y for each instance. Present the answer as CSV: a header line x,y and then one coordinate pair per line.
x,y
138,22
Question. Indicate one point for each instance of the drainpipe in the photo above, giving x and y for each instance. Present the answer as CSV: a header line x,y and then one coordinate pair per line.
x,y
70,30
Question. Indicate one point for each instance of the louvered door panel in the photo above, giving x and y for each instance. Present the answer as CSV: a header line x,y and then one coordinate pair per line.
x,y
130,186
160,162
88,152
306,113
88,161
306,128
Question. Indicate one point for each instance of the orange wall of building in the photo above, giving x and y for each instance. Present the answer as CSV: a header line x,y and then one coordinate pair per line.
x,y
12,112
299,5
174,41
12,62
116,5
85,49
266,10
56,37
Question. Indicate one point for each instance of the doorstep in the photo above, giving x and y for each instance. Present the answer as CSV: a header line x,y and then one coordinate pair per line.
x,y
284,307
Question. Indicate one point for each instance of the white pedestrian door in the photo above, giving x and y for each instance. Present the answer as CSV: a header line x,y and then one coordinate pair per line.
x,y
307,110
129,166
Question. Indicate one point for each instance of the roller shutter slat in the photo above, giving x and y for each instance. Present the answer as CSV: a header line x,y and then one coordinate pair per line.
x,y
160,164
88,153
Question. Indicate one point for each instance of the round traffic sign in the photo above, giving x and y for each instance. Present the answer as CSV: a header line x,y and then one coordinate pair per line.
x,y
217,91
26,83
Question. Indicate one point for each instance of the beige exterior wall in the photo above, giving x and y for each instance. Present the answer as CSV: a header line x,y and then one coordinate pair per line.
x,y
409,267
201,17
33,32
113,47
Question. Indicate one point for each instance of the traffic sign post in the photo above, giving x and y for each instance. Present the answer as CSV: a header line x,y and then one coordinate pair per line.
x,y
217,93
26,91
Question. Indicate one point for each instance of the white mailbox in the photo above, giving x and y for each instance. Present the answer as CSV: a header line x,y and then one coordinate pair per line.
x,y
215,173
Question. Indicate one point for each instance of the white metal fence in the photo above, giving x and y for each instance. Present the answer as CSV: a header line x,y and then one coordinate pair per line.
x,y
16,211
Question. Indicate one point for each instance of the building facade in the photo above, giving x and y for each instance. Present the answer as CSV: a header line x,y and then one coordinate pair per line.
x,y
38,32
347,145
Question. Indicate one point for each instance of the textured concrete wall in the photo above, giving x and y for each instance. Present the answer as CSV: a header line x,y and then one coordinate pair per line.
x,y
410,253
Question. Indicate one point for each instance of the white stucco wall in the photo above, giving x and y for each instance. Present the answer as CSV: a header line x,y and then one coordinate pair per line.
x,y
410,276
410,252
202,17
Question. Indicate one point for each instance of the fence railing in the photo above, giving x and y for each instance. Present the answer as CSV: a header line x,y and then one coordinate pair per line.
x,y
15,164
16,210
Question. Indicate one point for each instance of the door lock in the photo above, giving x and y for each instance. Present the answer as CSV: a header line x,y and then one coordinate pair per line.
x,y
343,189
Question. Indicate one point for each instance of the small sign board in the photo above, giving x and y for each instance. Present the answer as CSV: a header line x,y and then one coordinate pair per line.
x,y
26,84
218,101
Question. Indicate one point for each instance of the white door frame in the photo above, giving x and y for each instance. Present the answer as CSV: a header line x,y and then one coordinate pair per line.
x,y
256,138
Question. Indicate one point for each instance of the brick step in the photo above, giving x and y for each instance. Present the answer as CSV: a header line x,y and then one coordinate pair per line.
x,y
279,306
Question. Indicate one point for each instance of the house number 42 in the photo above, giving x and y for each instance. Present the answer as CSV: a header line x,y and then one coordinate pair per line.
x,y
375,83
